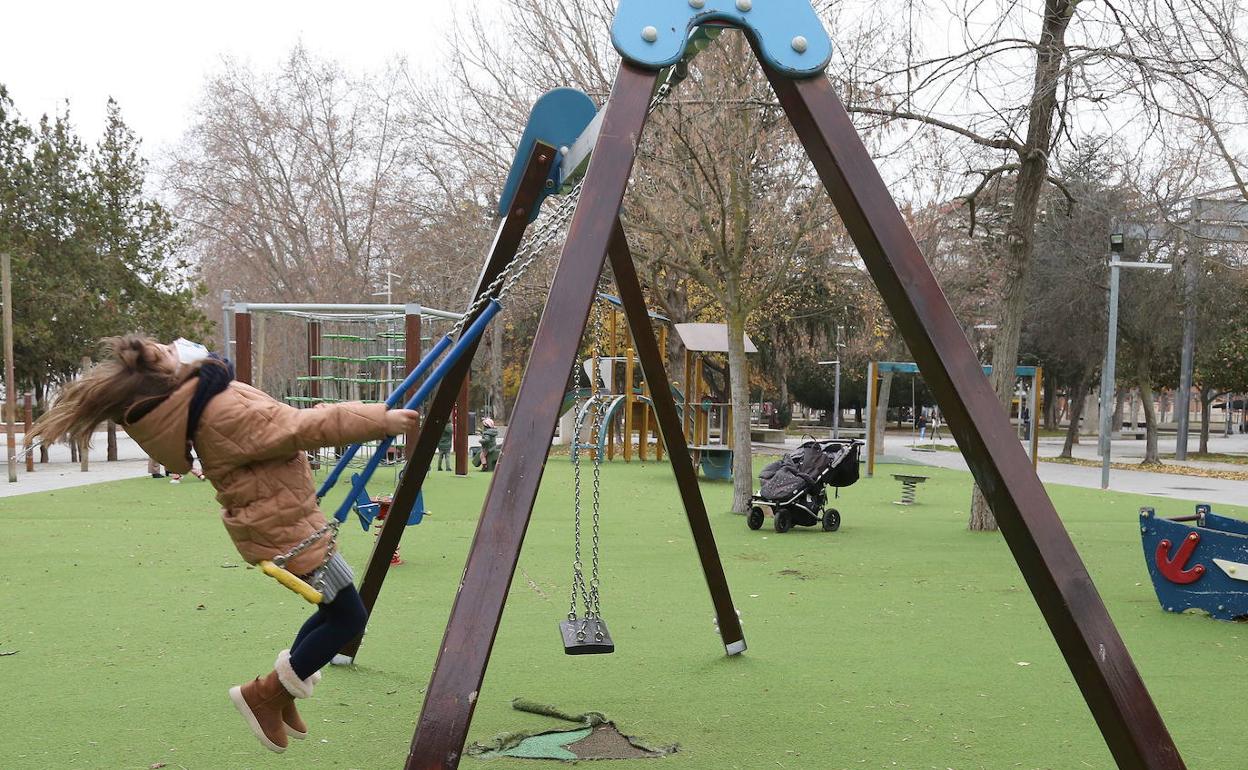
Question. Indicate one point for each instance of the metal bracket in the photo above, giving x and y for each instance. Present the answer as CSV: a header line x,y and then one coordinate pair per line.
x,y
655,33
558,119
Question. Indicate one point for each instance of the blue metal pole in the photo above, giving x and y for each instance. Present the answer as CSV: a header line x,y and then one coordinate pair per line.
x,y
466,339
416,374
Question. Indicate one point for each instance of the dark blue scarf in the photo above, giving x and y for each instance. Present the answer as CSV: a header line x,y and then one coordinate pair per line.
x,y
215,376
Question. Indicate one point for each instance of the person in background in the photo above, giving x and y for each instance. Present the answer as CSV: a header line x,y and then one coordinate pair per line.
x,y
444,446
489,445
154,468
176,478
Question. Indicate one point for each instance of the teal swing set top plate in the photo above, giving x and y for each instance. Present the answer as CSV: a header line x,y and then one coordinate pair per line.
x,y
791,39
656,34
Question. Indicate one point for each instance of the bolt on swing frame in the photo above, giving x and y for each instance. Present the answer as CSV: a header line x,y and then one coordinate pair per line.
x,y
1133,729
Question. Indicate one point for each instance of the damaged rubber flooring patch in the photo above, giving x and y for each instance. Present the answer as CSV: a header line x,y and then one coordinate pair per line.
x,y
596,737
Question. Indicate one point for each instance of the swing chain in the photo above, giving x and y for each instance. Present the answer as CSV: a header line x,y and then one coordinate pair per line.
x,y
594,410
599,409
578,577
547,232
524,258
331,528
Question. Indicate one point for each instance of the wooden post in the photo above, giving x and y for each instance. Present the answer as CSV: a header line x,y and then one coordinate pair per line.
x,y
242,343
464,651
629,400
30,418
1037,383
702,420
84,449
658,444
443,405
462,429
686,412
314,362
411,359
873,395
111,455
1059,582
10,379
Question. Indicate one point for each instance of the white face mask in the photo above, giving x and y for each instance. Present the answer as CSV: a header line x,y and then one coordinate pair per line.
x,y
189,352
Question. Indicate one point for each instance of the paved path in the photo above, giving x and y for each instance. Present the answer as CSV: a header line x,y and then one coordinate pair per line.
x,y
59,472
132,463
1194,488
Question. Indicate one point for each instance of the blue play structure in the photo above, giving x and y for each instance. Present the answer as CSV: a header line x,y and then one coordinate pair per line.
x,y
1198,562
358,498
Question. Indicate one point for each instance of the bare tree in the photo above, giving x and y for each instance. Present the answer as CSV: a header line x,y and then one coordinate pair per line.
x,y
1014,92
293,184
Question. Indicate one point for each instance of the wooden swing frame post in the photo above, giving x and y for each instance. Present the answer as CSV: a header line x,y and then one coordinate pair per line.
x,y
1120,703
242,343
451,393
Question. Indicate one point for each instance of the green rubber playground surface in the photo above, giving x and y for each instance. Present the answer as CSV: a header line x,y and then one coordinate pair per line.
x,y
902,641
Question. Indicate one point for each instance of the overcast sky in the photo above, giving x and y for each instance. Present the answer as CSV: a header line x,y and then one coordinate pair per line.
x,y
153,56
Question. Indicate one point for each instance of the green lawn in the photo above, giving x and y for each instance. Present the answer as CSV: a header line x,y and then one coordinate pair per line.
x,y
902,641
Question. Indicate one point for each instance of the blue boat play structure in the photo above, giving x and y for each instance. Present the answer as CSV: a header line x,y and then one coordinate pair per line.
x,y
1198,562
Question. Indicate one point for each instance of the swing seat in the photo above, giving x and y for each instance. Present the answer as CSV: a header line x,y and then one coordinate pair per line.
x,y
365,509
590,645
291,581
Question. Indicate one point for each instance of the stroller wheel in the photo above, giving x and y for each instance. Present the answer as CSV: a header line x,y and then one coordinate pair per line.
x,y
831,520
783,520
754,519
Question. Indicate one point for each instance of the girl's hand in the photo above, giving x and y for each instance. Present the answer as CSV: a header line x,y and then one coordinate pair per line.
x,y
401,421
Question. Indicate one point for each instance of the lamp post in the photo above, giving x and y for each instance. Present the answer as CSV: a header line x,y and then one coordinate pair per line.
x,y
836,388
1117,242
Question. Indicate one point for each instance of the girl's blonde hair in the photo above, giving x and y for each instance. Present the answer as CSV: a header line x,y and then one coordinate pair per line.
x,y
136,368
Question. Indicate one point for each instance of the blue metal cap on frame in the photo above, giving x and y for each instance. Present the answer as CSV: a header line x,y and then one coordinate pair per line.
x,y
655,33
558,117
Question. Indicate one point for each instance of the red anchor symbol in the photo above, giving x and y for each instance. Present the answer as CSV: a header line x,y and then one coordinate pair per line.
x,y
1172,568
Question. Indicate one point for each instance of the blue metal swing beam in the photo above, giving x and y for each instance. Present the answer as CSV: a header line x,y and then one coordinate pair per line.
x,y
466,340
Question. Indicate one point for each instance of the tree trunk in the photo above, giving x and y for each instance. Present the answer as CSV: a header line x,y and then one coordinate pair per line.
x,y
1049,401
495,385
1207,395
112,441
739,388
1144,382
1021,230
1076,400
880,419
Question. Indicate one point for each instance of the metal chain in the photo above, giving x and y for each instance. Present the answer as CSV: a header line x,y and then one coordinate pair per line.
x,y
524,258
594,410
331,528
578,577
592,609
546,232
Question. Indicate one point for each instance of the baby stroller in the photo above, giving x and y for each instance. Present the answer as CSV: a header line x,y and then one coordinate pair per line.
x,y
793,488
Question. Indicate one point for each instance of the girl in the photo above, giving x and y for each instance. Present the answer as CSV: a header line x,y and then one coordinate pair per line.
x,y
252,448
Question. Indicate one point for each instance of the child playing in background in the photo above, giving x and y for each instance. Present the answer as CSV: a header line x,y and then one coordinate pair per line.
x,y
444,446
489,445
176,478
253,449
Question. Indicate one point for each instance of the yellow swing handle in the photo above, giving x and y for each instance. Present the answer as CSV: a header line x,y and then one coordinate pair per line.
x,y
291,581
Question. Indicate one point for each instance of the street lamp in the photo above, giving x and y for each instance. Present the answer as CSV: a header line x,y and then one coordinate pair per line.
x,y
1117,242
836,392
